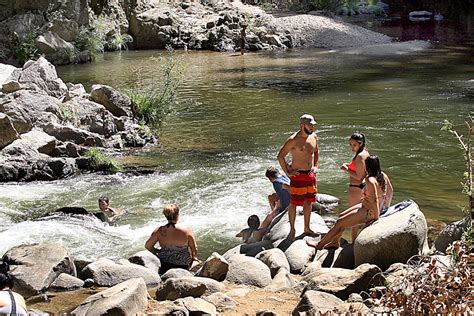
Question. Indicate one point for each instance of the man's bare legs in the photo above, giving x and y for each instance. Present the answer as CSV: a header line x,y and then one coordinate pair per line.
x,y
292,218
307,209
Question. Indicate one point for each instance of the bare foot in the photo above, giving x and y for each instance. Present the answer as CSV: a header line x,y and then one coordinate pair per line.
x,y
291,235
310,233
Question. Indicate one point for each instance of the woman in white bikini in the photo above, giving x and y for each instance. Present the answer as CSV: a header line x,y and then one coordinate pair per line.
x,y
378,193
11,303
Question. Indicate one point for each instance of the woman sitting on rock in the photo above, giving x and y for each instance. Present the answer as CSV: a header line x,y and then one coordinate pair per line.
x,y
11,303
178,245
377,195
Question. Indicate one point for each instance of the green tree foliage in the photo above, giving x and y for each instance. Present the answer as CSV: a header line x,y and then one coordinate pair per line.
x,y
27,48
101,162
157,100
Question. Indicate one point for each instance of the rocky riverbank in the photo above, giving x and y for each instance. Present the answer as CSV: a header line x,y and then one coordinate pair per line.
x,y
72,31
275,276
48,126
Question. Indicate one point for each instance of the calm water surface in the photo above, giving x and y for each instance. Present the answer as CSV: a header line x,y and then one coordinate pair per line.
x,y
235,114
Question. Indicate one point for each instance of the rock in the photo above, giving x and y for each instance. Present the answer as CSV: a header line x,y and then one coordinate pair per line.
x,y
248,249
343,282
282,281
275,259
176,273
221,301
197,306
451,233
146,259
273,40
74,135
5,72
81,262
8,132
316,302
298,254
357,308
115,102
39,140
66,282
74,90
126,298
146,28
35,267
280,227
170,308
405,231
66,29
51,43
343,257
248,271
325,203
173,289
215,267
42,74
105,272
89,283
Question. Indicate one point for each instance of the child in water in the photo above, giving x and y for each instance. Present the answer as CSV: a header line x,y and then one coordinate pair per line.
x,y
252,233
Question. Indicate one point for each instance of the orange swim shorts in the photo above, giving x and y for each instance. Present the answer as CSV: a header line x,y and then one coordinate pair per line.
x,y
303,187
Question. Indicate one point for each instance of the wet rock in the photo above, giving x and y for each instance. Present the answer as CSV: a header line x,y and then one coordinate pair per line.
x,y
248,271
35,267
126,298
314,302
215,267
66,282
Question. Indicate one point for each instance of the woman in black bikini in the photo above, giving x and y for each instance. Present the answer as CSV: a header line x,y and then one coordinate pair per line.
x,y
356,171
377,194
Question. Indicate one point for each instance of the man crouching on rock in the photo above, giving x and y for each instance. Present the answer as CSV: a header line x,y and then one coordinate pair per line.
x,y
303,147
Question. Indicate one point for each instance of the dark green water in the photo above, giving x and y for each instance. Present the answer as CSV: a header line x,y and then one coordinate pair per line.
x,y
237,113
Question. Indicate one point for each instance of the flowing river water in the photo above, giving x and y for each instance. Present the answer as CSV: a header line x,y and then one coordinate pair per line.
x,y
236,113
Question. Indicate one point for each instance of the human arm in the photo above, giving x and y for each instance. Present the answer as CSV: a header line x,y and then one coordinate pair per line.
x,y
150,243
315,156
388,191
282,154
192,245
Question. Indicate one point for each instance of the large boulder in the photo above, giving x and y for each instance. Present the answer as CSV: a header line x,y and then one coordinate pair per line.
x,y
173,289
8,133
280,227
66,282
248,271
66,29
74,135
176,273
147,28
127,298
35,267
146,259
51,44
115,102
37,139
343,282
250,250
394,238
275,259
298,254
5,72
40,75
316,302
105,272
215,267
451,233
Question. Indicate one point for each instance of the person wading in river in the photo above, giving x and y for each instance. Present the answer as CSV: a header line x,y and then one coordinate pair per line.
x,y
303,147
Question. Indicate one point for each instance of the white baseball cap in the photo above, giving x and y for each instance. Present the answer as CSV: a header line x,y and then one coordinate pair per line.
x,y
307,119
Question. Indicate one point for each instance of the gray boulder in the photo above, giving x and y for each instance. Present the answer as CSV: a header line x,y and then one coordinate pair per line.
x,y
35,267
105,272
127,298
404,231
298,254
146,28
74,90
66,29
176,273
8,133
5,72
280,227
275,259
51,43
451,233
221,301
37,139
283,281
173,289
248,271
115,102
146,259
316,302
197,306
66,282
215,267
74,135
343,282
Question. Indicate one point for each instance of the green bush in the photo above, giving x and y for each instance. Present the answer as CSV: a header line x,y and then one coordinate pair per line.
x,y
101,162
27,48
156,101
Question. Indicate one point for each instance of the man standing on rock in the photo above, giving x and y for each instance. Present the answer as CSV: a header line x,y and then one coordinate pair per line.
x,y
243,39
303,147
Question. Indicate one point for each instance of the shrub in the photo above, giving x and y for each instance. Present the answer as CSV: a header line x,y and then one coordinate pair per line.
x,y
101,162
67,112
156,101
27,48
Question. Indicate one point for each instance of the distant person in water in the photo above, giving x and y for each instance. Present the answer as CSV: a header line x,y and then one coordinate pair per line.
x,y
111,213
304,150
378,192
255,231
178,247
11,303
279,200
356,171
243,39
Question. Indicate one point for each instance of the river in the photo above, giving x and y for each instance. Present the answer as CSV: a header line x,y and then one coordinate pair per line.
x,y
235,113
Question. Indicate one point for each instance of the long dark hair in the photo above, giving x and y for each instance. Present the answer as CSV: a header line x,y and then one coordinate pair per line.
x,y
5,279
372,166
359,138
